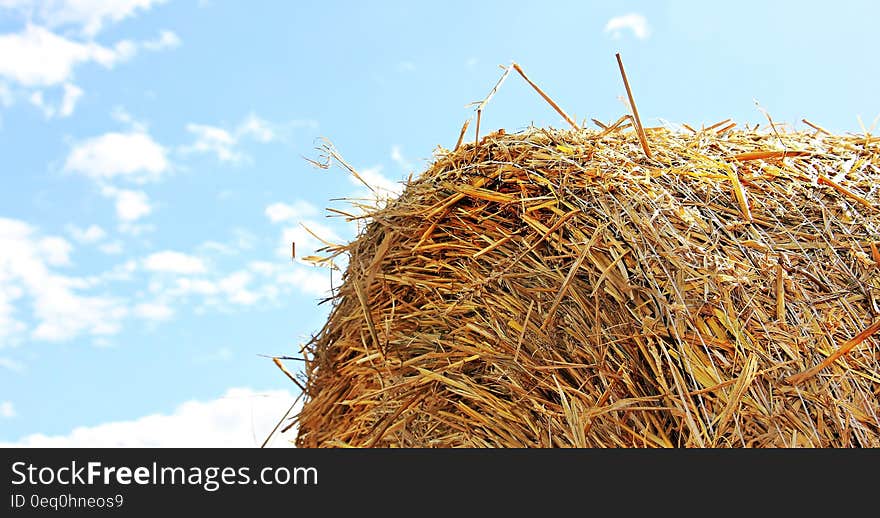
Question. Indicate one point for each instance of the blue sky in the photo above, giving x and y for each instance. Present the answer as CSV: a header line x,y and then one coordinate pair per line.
x,y
153,172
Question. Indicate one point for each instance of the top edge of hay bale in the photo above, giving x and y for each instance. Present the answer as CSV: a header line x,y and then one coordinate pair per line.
x,y
559,288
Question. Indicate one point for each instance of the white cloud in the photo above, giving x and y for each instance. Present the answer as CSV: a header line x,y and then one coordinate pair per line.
x,y
130,205
89,235
7,411
130,156
153,311
300,209
89,16
236,288
134,155
166,40
634,22
224,143
258,282
300,276
37,57
61,312
45,52
242,418
374,178
311,280
406,66
170,261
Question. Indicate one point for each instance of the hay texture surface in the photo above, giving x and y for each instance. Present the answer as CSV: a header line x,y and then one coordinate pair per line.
x,y
559,288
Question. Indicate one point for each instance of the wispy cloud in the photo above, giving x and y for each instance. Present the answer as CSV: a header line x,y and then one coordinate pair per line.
x,y
36,58
61,307
224,143
63,108
89,235
72,93
634,22
39,301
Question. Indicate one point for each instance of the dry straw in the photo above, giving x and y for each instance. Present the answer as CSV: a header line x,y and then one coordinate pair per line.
x,y
619,287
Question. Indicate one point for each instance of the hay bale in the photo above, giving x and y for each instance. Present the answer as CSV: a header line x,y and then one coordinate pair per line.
x,y
559,288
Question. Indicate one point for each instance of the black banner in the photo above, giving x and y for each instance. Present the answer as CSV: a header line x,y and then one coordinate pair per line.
x,y
135,482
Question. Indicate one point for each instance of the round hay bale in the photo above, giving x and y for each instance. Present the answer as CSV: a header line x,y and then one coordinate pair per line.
x,y
558,288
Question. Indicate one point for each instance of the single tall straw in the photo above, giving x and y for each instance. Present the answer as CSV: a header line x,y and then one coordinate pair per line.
x,y
639,129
